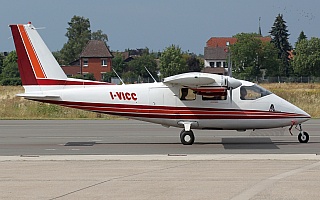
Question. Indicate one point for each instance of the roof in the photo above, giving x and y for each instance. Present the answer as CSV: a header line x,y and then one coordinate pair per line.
x,y
222,41
215,53
96,49
71,70
132,53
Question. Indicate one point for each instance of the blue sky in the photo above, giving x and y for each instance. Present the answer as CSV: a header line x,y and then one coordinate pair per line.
x,y
158,24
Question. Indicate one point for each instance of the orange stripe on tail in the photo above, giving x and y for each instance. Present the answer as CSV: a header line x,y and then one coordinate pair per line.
x,y
31,53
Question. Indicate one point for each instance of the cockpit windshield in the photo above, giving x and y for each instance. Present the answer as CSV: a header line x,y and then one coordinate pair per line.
x,y
253,92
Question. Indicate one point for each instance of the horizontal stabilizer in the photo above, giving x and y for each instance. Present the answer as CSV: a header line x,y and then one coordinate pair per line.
x,y
38,96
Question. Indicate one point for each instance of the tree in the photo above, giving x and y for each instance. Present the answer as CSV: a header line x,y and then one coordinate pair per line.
x,y
245,55
1,61
129,77
270,61
89,76
280,38
58,56
172,62
301,37
250,55
10,73
138,64
118,63
78,34
193,63
99,35
306,61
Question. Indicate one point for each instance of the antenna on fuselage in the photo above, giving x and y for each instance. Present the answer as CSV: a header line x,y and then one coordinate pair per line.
x,y
150,74
118,76
229,66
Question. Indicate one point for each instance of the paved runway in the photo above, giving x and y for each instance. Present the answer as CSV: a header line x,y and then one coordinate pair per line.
x,y
130,137
126,159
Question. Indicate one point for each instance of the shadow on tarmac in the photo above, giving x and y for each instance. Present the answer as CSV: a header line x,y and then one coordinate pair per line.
x,y
228,143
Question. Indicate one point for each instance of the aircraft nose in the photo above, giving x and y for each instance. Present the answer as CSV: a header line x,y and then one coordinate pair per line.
x,y
302,112
301,115
304,115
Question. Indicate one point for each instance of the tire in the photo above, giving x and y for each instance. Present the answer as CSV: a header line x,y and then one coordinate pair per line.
x,y
303,138
187,137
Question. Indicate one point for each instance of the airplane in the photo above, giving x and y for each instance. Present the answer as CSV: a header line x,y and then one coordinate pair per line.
x,y
190,101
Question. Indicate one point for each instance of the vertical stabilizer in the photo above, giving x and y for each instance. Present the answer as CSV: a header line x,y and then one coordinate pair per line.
x,y
37,65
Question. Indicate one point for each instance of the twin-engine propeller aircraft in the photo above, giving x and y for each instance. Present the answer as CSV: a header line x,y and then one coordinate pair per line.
x,y
190,101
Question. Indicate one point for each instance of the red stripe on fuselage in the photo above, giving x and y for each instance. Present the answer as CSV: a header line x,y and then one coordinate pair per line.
x,y
167,112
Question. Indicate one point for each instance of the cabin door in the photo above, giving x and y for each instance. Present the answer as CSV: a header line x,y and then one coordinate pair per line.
x,y
162,96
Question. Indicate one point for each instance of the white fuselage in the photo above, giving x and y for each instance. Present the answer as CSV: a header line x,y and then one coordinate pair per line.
x,y
160,103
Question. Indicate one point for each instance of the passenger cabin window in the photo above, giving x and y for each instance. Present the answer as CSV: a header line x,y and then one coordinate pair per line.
x,y
187,94
212,93
212,96
253,92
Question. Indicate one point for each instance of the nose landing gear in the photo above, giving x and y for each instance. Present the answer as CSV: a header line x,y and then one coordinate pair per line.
x,y
303,136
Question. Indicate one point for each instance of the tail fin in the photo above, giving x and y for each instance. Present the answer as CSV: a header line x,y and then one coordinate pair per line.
x,y
36,63
38,68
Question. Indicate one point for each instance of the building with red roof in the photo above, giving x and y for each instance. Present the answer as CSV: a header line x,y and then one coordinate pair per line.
x,y
95,59
216,53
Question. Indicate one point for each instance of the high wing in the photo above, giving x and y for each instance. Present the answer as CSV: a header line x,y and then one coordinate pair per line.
x,y
198,79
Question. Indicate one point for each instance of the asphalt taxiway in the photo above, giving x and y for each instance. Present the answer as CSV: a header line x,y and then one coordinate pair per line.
x,y
130,137
126,159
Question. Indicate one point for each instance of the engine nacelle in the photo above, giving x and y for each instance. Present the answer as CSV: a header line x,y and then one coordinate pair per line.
x,y
230,82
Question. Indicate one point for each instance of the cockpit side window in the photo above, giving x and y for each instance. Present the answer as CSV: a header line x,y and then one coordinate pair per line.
x,y
253,92
187,94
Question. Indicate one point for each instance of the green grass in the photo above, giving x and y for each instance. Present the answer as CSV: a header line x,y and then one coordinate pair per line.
x,y
305,96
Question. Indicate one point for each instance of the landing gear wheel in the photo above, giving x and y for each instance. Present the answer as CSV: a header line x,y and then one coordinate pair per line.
x,y
187,137
303,137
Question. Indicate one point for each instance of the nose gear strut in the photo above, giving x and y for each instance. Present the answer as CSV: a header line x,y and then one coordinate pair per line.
x,y
303,136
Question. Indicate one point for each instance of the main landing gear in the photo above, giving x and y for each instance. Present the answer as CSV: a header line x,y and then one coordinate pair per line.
x,y
187,137
303,136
